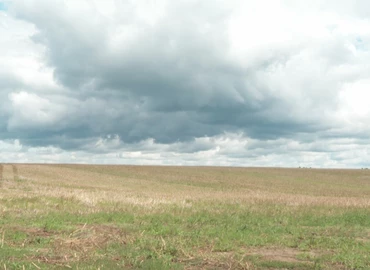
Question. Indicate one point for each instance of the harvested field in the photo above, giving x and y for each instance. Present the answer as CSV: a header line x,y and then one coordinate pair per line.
x,y
152,217
1,175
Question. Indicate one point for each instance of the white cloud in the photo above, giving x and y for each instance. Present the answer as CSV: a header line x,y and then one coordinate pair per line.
x,y
20,56
355,101
226,150
29,109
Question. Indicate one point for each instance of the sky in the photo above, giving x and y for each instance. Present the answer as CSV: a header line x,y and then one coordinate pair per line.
x,y
282,83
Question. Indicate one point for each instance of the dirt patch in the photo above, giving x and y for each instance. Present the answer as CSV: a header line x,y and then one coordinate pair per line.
x,y
215,264
279,254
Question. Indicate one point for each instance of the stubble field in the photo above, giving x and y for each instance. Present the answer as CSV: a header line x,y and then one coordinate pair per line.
x,y
151,217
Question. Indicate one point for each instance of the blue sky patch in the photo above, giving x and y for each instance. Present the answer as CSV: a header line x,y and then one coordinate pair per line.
x,y
2,6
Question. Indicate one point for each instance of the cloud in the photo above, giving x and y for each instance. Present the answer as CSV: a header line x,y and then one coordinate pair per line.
x,y
228,149
189,79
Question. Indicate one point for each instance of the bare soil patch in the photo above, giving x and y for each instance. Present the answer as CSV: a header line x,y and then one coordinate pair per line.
x,y
279,254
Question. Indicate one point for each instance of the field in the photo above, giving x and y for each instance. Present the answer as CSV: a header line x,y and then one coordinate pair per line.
x,y
147,217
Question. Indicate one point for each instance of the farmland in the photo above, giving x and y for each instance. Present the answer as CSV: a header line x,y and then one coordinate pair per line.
x,y
157,217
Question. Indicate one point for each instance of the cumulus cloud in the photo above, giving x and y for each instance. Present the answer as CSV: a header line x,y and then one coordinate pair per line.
x,y
188,82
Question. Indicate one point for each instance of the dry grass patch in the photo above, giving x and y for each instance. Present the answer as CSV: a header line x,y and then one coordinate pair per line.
x,y
77,246
8,172
148,185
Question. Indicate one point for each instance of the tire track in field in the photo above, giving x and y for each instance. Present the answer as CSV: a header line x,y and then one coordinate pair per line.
x,y
15,172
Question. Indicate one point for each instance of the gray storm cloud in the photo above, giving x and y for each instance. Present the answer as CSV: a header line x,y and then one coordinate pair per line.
x,y
180,77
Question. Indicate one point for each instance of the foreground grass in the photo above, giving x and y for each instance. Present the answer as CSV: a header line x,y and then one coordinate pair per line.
x,y
114,217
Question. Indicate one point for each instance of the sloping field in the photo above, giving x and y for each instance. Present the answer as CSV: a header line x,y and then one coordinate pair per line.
x,y
148,217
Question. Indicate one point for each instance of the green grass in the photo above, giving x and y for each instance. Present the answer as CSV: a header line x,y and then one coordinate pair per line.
x,y
175,237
